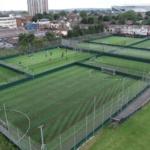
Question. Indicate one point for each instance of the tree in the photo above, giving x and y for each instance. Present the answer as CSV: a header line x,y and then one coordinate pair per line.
x,y
45,13
84,20
75,11
83,14
56,16
148,13
91,20
113,22
121,21
140,17
40,16
100,18
24,12
30,37
50,35
34,18
91,29
63,13
22,37
70,33
106,18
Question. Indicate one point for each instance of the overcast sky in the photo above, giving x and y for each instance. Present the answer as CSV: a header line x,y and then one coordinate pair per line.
x,y
62,4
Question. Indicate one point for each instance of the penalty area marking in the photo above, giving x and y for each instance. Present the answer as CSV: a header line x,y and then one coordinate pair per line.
x,y
102,78
100,60
25,116
26,67
3,83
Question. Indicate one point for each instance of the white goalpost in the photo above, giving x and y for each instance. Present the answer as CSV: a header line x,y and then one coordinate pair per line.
x,y
108,70
92,58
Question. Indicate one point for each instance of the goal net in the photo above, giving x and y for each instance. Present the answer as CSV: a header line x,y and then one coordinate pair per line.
x,y
91,59
108,70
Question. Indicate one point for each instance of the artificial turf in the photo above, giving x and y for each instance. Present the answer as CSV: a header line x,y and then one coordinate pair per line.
x,y
60,99
144,44
6,74
133,52
132,65
44,60
117,40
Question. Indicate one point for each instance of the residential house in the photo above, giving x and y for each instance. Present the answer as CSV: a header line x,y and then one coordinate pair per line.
x,y
130,29
74,17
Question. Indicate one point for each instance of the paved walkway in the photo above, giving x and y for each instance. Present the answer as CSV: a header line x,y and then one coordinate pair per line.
x,y
141,100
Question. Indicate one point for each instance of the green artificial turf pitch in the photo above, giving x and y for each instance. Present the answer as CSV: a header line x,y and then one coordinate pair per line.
x,y
96,47
133,52
117,40
44,61
60,99
132,65
145,44
5,74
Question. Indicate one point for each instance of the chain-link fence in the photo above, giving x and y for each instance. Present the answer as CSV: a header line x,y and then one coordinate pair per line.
x,y
81,131
4,53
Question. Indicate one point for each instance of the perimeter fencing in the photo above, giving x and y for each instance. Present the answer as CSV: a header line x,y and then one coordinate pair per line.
x,y
118,49
83,130
30,48
75,40
22,73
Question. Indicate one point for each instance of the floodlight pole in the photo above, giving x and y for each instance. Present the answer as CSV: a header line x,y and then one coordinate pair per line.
x,y
43,145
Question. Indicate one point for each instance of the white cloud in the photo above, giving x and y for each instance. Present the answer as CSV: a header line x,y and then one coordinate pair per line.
x,y
61,4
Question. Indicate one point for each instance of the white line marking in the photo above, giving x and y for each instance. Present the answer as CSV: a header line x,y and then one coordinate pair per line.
x,y
102,78
26,117
3,83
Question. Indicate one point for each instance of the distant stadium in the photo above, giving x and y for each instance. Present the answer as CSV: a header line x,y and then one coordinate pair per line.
x,y
136,8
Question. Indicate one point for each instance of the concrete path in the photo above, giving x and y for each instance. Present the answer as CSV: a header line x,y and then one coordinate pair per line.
x,y
141,100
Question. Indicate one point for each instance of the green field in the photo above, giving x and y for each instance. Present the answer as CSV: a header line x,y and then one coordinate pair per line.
x,y
145,44
41,60
133,52
117,40
5,74
131,135
5,144
67,99
132,65
96,47
60,99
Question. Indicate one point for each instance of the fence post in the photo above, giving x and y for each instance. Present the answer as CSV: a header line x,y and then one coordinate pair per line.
x,y
86,129
111,108
18,137
74,137
139,87
94,115
29,143
103,115
6,117
60,142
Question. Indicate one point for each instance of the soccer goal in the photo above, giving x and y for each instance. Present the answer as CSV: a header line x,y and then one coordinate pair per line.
x,y
108,70
92,58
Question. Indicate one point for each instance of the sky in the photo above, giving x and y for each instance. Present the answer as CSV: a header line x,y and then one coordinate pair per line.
x,y
63,4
